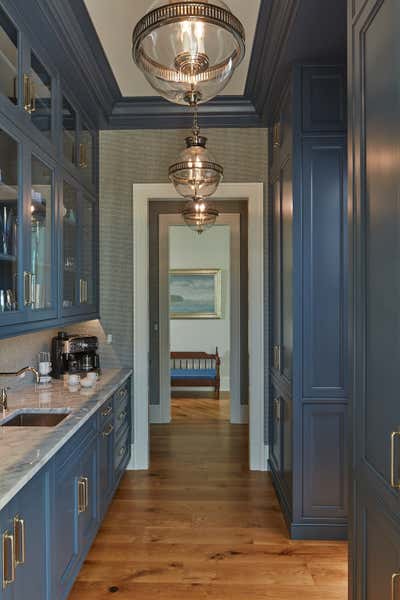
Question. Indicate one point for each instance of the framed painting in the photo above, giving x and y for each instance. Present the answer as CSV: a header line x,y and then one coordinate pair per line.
x,y
195,294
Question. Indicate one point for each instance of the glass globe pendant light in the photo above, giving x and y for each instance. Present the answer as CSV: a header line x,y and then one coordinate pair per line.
x,y
199,214
196,174
188,50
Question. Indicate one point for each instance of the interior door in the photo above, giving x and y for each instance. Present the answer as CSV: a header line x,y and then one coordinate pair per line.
x,y
375,193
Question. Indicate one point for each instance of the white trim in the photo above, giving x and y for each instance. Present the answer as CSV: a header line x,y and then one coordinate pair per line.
x,y
240,415
142,193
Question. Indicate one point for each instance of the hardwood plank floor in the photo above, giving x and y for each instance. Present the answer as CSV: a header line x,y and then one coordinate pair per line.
x,y
200,526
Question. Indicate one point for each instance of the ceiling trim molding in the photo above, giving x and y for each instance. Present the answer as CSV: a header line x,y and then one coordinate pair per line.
x,y
275,22
156,113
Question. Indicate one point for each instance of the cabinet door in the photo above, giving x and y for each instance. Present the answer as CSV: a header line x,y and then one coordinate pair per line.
x,y
87,486
276,276
378,564
12,293
106,465
375,209
9,60
276,445
88,255
70,252
41,300
31,528
65,548
287,271
40,90
7,555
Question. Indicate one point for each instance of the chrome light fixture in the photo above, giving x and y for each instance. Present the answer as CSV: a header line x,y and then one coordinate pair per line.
x,y
199,214
196,174
187,50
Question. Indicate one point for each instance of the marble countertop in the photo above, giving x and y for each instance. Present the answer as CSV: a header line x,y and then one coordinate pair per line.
x,y
25,450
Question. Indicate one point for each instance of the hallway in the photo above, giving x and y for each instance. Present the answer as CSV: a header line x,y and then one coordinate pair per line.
x,y
200,526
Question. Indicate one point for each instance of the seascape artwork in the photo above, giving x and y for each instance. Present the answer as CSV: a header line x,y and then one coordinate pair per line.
x,y
195,294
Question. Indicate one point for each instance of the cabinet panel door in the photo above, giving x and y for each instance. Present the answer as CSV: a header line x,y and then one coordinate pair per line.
x,y
325,268
276,274
8,569
88,517
106,466
379,561
42,287
287,271
65,549
276,433
88,255
31,528
70,252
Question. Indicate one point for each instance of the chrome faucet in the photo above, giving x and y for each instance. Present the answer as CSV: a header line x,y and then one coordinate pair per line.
x,y
21,372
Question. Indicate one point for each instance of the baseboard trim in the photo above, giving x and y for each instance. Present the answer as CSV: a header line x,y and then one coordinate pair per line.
x,y
137,462
240,415
156,416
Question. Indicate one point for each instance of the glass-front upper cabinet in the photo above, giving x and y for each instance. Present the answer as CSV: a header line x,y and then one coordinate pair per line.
x,y
86,160
70,214
88,253
70,133
39,285
38,91
10,218
9,68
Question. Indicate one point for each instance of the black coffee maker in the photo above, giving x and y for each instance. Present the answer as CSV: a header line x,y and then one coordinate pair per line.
x,y
72,353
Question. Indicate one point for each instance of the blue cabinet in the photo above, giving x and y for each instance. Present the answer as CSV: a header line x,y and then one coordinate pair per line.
x,y
45,144
374,62
308,369
24,551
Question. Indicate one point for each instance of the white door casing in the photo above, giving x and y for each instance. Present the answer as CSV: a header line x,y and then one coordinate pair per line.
x,y
142,194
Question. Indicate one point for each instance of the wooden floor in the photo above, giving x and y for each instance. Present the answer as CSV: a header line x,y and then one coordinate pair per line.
x,y
200,526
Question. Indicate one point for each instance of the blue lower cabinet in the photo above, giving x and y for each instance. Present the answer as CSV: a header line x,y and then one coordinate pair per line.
x,y
75,518
24,530
31,530
7,555
106,465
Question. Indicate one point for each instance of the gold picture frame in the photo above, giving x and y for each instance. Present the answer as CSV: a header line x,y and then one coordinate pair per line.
x,y
195,293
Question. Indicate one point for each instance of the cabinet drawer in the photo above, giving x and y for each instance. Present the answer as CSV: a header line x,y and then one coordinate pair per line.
x,y
121,397
121,415
105,413
122,452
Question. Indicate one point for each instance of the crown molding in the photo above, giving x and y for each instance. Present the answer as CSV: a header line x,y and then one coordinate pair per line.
x,y
156,113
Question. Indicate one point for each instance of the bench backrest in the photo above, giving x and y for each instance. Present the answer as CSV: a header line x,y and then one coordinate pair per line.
x,y
195,360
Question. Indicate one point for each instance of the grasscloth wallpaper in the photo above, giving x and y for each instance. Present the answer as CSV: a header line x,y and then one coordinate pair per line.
x,y
128,157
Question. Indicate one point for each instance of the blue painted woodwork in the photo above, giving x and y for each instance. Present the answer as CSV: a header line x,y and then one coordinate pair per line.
x,y
374,61
308,371
29,130
57,535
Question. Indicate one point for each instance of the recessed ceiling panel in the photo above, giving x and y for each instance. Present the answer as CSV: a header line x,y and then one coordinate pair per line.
x,y
114,21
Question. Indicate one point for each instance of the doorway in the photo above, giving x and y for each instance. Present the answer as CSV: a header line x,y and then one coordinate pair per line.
x,y
210,349
143,195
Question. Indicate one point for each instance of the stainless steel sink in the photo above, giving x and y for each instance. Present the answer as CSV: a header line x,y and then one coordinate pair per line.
x,y
35,419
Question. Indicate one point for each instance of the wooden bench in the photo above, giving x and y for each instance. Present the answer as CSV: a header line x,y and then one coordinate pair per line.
x,y
196,369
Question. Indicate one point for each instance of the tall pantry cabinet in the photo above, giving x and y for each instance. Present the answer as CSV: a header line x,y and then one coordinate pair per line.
x,y
308,370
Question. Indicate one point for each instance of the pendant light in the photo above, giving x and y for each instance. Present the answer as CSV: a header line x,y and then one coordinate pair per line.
x,y
188,51
199,214
196,174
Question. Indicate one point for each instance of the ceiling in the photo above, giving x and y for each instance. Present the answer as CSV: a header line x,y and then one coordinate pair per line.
x,y
114,21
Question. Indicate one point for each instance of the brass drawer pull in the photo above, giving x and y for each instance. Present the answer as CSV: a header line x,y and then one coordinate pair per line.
x,y
393,481
8,559
108,431
81,495
123,415
19,536
395,577
122,451
86,492
107,411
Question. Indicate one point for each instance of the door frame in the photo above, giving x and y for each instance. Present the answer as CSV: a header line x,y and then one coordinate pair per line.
x,y
142,195
161,413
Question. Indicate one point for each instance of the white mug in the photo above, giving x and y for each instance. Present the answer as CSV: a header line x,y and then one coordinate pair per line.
x,y
44,368
73,379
